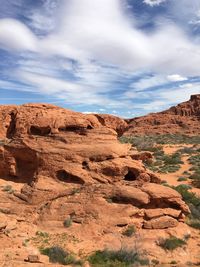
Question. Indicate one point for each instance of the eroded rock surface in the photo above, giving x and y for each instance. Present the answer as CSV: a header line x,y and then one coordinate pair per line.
x,y
97,176
183,119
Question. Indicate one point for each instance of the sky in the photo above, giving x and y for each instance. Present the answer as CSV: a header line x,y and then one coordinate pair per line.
x,y
122,57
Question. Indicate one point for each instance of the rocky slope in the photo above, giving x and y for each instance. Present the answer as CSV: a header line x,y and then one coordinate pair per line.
x,y
183,119
67,165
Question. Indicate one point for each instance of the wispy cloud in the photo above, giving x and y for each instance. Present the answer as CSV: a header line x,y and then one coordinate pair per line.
x,y
91,52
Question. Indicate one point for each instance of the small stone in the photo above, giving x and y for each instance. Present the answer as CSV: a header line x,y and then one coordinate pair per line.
x,y
33,258
3,225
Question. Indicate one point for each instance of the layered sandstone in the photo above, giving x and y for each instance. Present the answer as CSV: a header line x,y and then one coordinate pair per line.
x,y
74,163
182,119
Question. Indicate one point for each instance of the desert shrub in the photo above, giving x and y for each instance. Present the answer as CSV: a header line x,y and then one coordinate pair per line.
x,y
195,177
188,197
59,255
8,188
161,139
195,223
186,174
182,179
195,180
154,262
42,234
194,160
173,262
173,159
130,231
67,223
169,168
193,202
120,258
159,153
172,243
187,150
165,163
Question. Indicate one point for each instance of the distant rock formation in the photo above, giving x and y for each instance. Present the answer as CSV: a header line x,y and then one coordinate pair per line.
x,y
183,119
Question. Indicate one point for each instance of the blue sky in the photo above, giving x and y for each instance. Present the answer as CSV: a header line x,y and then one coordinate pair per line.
x,y
123,57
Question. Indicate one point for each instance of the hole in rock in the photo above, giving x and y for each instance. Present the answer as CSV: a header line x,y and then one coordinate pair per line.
x,y
125,200
71,128
24,165
12,127
34,130
89,127
131,175
68,177
85,165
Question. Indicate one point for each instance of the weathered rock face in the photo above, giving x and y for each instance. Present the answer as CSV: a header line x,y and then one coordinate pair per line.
x,y
118,124
183,118
87,172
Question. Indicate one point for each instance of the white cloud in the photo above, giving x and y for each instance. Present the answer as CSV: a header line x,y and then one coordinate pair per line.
x,y
14,35
153,2
106,46
164,98
176,78
154,81
187,85
102,31
177,95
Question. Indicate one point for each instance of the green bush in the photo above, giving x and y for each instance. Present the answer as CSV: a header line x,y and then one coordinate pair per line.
x,y
120,258
182,179
195,223
59,255
165,163
67,223
172,243
161,139
173,159
42,234
196,182
186,173
8,188
130,231
169,168
193,202
187,150
195,160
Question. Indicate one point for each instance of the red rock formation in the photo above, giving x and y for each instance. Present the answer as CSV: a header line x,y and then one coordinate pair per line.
x,y
183,118
79,152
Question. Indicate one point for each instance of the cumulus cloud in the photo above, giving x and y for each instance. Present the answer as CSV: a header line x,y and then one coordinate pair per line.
x,y
102,31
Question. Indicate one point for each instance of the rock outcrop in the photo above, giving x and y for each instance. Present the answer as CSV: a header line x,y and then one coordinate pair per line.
x,y
182,119
72,165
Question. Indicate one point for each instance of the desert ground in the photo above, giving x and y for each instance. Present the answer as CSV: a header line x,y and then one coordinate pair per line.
x,y
26,234
88,190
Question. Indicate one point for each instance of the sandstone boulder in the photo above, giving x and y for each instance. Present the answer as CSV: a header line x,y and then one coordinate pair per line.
x,y
128,194
161,223
154,213
71,165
